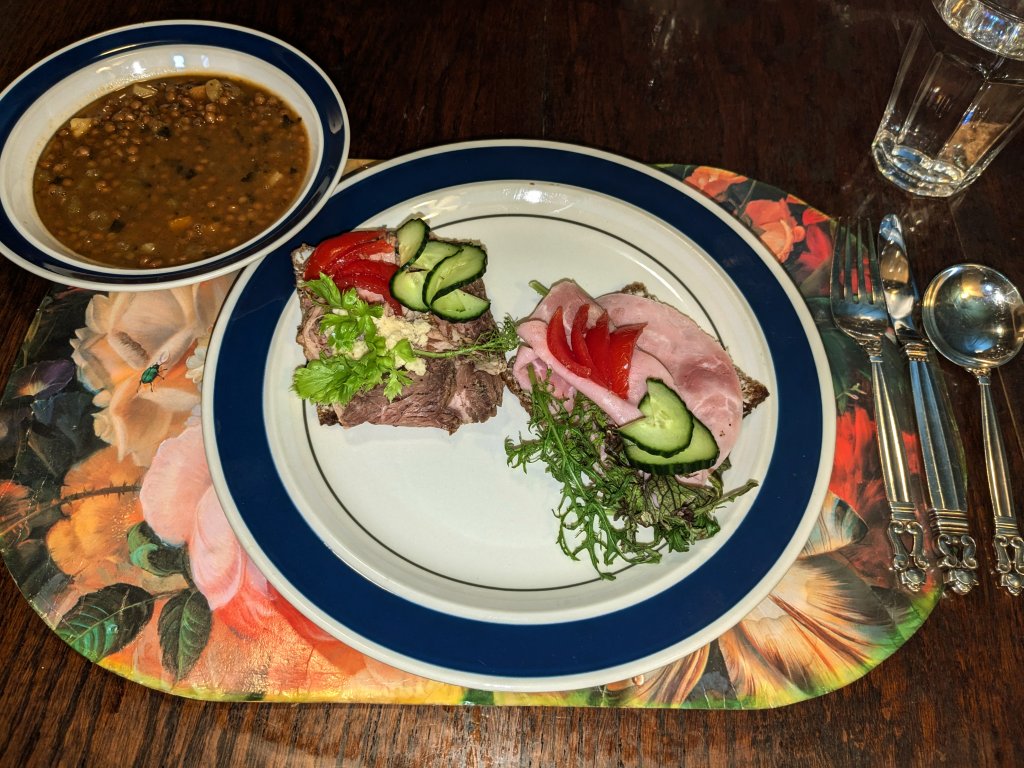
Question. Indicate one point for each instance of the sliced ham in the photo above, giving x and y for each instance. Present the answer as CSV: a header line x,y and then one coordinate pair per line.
x,y
569,296
672,347
702,372
566,383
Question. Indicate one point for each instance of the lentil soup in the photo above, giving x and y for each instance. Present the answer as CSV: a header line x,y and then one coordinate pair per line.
x,y
170,171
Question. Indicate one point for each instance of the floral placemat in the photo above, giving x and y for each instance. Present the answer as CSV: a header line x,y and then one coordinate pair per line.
x,y
111,528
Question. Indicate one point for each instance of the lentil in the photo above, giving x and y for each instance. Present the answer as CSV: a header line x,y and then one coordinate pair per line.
x,y
246,151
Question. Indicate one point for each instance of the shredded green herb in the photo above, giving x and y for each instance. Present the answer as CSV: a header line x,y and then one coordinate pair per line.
x,y
362,359
608,509
501,340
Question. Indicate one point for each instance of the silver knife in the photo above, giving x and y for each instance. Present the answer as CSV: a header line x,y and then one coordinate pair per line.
x,y
941,449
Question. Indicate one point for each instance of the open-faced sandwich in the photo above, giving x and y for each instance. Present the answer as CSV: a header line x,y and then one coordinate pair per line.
x,y
634,409
396,329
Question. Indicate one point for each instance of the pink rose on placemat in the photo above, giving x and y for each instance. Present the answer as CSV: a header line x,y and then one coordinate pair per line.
x,y
181,506
773,222
125,336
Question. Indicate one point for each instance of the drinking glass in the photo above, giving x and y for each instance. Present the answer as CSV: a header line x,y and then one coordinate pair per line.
x,y
958,97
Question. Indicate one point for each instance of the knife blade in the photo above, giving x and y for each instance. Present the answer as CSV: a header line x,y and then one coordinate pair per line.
x,y
941,448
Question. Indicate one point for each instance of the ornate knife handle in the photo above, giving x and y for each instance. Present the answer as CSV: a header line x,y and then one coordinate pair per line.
x,y
909,564
957,549
1008,545
941,455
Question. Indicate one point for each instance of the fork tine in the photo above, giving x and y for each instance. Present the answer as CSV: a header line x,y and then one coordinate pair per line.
x,y
877,295
851,261
863,295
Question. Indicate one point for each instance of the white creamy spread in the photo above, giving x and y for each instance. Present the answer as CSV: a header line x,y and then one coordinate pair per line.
x,y
394,329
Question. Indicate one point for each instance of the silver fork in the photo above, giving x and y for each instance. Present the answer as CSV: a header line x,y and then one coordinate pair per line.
x,y
858,307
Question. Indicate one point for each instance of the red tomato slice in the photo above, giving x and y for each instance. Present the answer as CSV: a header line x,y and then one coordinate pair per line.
x,y
621,344
383,270
579,344
559,345
368,275
343,247
596,342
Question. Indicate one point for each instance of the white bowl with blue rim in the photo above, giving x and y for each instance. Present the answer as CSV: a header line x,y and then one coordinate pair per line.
x,y
35,105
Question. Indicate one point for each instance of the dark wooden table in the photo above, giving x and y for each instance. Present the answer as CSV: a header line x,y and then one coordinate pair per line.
x,y
786,92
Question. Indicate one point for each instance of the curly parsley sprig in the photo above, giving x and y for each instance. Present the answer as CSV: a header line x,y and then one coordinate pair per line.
x,y
607,508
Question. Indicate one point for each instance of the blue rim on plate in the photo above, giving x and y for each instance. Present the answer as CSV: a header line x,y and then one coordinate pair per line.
x,y
23,92
535,657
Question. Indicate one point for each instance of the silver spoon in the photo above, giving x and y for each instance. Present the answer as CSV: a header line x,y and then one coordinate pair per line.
x,y
975,316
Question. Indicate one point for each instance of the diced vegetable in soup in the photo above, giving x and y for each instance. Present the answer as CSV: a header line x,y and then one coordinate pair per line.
x,y
171,171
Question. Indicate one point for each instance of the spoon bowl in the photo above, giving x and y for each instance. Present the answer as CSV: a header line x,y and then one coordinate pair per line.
x,y
975,316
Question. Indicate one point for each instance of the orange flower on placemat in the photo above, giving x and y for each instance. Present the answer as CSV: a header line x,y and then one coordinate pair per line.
x,y
125,336
91,543
713,181
812,268
773,222
857,474
857,479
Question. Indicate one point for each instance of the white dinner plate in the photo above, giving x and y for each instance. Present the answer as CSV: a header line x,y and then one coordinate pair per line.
x,y
426,550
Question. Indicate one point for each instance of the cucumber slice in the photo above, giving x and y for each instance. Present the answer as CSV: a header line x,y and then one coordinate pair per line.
x,y
412,237
701,453
407,288
459,307
433,252
454,272
666,425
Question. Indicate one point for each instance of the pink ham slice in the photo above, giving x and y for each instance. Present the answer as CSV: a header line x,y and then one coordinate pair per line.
x,y
569,296
533,331
702,372
566,383
672,347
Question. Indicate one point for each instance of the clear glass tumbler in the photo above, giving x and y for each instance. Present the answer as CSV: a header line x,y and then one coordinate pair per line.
x,y
958,97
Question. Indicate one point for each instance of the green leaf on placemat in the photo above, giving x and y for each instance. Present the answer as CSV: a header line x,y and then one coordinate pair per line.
x,y
146,550
105,621
478,698
35,572
184,628
60,314
56,437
